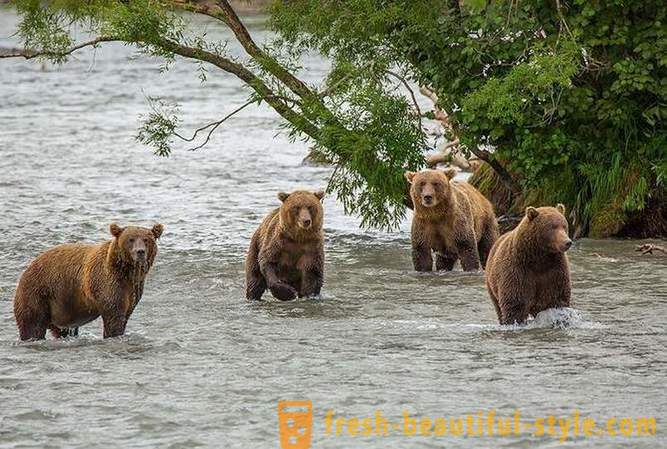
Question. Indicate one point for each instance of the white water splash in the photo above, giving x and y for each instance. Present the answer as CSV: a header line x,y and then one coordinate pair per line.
x,y
560,318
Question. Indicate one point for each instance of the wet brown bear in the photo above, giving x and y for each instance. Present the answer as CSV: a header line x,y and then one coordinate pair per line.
x,y
451,219
528,271
73,284
286,252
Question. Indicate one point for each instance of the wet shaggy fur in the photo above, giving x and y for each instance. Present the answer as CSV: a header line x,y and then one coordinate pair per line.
x,y
73,284
286,253
458,223
528,270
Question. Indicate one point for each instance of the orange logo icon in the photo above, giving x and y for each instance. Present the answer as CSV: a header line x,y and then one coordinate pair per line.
x,y
296,424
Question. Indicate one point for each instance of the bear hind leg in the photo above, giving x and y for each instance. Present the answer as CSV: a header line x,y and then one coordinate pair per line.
x,y
32,317
489,237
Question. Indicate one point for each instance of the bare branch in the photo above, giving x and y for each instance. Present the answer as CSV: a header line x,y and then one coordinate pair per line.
x,y
483,155
222,10
31,54
412,94
246,76
648,248
213,126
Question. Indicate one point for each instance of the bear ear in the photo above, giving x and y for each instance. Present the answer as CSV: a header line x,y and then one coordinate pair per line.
x,y
531,212
115,230
450,172
409,175
282,196
157,230
561,208
319,194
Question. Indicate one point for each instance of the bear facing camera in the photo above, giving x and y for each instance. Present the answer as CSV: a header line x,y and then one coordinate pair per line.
x,y
286,253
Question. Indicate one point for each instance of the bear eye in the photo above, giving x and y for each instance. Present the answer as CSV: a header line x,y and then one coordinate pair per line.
x,y
146,240
131,239
422,184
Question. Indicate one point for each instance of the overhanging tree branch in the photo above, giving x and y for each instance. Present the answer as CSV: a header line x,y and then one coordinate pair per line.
x,y
31,54
213,126
256,83
222,10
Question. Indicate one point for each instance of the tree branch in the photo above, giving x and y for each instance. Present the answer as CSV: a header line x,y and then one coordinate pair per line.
x,y
412,94
504,175
213,126
31,54
648,248
222,10
246,76
483,155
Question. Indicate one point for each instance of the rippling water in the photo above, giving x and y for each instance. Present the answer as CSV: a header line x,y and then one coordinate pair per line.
x,y
200,366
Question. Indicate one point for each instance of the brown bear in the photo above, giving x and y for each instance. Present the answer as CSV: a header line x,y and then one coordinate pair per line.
x,y
528,271
73,284
286,253
451,219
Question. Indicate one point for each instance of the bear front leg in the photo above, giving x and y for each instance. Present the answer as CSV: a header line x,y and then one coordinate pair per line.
x,y
255,287
555,291
468,254
422,259
114,320
513,311
255,282
311,283
279,289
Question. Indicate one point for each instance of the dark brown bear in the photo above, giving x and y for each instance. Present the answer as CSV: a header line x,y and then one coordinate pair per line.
x,y
71,285
528,271
451,219
286,252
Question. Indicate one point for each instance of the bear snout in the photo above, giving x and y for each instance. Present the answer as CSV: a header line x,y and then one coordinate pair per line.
x,y
138,251
562,242
427,200
305,220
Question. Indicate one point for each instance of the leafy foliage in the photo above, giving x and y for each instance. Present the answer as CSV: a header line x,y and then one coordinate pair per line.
x,y
572,95
370,133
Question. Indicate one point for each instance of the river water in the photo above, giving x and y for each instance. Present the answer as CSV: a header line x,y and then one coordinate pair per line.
x,y
199,366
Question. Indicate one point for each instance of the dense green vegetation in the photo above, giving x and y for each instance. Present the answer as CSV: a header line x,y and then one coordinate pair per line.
x,y
566,100
572,95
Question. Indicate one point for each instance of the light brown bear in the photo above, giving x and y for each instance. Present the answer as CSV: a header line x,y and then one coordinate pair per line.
x,y
73,284
528,271
451,219
286,253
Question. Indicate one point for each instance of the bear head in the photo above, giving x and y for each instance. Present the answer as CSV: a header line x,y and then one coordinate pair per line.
x,y
136,245
428,188
301,211
548,226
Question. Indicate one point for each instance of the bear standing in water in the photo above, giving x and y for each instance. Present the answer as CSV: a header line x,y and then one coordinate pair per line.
x,y
286,253
71,285
451,219
528,271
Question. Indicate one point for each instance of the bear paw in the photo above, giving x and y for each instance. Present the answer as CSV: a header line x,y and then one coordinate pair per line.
x,y
283,292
